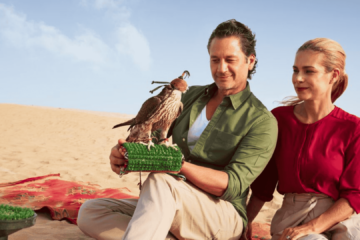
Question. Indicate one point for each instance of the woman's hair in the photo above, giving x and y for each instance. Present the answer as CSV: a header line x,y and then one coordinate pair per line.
x,y
334,57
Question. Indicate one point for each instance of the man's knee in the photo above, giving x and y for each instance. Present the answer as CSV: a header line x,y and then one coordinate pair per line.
x,y
87,212
155,178
83,213
161,183
158,176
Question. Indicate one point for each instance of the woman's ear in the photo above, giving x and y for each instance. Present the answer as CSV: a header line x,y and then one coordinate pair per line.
x,y
335,75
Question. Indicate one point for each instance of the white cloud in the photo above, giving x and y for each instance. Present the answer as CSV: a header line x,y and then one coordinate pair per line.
x,y
18,31
134,44
130,41
99,4
114,8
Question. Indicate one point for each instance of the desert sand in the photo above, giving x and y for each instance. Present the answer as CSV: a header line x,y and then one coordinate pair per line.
x,y
37,141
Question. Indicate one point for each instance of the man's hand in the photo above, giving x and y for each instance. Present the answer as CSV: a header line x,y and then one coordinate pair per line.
x,y
116,159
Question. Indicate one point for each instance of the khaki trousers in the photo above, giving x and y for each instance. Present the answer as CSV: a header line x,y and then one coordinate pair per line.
x,y
165,204
298,209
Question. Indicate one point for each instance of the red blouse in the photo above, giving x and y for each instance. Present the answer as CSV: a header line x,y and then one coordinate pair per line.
x,y
322,157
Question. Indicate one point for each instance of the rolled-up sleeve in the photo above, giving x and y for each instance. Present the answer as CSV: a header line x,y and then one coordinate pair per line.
x,y
251,156
350,178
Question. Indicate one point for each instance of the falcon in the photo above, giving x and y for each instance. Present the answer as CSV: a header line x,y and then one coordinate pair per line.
x,y
158,113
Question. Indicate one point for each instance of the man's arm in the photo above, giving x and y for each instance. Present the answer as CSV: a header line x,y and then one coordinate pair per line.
x,y
250,158
211,181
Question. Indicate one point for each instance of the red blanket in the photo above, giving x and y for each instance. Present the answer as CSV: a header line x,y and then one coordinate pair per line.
x,y
260,231
62,198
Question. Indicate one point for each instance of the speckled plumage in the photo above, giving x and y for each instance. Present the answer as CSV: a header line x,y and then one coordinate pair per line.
x,y
157,112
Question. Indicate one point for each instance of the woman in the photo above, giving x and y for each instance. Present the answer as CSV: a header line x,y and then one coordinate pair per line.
x,y
316,163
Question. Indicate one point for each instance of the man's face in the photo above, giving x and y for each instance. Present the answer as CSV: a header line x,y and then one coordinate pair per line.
x,y
229,65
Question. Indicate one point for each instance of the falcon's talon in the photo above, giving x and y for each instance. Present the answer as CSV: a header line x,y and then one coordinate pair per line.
x,y
149,144
173,146
167,144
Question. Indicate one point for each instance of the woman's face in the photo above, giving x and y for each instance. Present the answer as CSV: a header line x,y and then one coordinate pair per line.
x,y
311,82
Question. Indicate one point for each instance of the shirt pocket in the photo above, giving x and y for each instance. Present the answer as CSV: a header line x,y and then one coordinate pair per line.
x,y
222,146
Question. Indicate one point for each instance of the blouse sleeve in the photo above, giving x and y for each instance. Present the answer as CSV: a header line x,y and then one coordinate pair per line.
x,y
349,186
264,186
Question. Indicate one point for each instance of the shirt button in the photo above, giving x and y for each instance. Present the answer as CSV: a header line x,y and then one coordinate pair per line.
x,y
183,139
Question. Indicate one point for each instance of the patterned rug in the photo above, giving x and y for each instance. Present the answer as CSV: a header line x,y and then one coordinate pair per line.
x,y
62,198
260,231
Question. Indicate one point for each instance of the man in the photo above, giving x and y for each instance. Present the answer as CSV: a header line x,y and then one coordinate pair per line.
x,y
227,137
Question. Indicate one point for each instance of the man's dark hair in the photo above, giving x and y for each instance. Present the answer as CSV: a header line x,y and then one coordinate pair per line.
x,y
247,38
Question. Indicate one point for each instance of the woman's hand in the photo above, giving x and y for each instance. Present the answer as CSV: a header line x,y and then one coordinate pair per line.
x,y
247,234
297,232
116,158
252,209
338,212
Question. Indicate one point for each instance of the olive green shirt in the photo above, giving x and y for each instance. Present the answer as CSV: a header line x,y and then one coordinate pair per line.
x,y
239,139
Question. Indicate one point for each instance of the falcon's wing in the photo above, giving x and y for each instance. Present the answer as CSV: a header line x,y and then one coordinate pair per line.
x,y
181,108
148,109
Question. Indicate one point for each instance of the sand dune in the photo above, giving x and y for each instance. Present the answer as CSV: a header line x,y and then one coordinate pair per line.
x,y
37,141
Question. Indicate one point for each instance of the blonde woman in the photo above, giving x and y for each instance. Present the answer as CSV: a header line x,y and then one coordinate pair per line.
x,y
316,163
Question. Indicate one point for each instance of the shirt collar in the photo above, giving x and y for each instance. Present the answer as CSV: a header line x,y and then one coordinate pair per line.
x,y
210,89
235,99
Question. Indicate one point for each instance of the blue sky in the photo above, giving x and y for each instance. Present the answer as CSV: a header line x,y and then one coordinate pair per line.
x,y
103,54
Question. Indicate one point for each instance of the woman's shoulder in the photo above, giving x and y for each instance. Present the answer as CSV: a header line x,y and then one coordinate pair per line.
x,y
349,122
283,111
349,118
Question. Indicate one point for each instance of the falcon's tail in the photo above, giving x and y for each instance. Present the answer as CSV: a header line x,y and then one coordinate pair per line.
x,y
130,122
